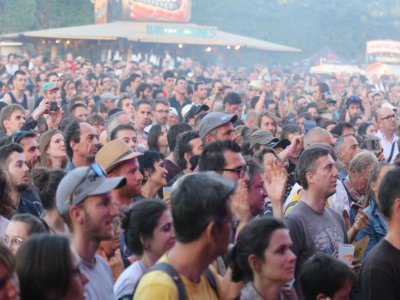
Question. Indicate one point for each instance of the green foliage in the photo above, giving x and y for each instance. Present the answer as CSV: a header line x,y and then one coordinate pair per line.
x,y
310,25
24,15
17,15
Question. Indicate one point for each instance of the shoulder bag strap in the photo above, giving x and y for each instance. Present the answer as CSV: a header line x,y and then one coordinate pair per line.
x,y
391,152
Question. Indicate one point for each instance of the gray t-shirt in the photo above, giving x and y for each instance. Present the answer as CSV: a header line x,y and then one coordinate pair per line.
x,y
312,232
100,285
128,280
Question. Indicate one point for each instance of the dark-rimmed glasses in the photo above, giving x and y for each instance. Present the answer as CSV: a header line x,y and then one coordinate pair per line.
x,y
241,171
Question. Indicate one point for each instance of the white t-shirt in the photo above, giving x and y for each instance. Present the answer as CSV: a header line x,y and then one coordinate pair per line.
x,y
387,146
128,280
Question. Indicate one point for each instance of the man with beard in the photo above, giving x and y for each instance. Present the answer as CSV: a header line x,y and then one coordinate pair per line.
x,y
118,159
81,141
27,139
160,112
187,153
13,162
84,201
200,93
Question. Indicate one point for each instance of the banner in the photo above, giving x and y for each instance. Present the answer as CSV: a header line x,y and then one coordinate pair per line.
x,y
156,10
383,46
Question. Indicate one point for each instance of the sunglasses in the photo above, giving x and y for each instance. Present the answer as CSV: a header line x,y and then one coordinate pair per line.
x,y
92,173
241,171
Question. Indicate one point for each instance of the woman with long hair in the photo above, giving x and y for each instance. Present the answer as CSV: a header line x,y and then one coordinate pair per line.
x,y
268,121
48,269
149,233
53,150
157,139
67,89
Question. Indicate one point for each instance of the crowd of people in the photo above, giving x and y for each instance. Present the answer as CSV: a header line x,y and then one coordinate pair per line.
x,y
127,180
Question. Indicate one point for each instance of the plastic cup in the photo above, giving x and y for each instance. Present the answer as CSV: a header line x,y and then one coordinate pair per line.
x,y
167,192
346,253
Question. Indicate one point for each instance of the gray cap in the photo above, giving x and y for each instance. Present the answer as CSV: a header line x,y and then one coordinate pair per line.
x,y
108,96
214,120
83,182
262,137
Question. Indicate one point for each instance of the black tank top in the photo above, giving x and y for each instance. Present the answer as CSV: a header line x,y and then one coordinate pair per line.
x,y
24,103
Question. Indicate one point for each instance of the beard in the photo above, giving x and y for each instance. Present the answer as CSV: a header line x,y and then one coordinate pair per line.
x,y
94,231
194,161
17,186
21,187
128,191
34,163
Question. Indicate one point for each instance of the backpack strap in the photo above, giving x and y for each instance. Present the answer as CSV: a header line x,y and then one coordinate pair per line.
x,y
211,280
170,270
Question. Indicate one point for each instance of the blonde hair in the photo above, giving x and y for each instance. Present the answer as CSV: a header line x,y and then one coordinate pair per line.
x,y
269,115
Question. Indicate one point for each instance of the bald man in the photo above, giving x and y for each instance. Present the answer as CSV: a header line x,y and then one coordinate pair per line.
x,y
387,124
318,135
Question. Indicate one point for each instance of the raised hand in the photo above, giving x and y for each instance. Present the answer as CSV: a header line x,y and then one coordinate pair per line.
x,y
275,179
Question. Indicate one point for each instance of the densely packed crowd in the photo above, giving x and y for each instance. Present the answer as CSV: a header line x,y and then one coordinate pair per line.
x,y
126,180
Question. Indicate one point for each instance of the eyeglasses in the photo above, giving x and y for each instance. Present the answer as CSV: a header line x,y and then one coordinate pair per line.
x,y
390,117
241,171
97,171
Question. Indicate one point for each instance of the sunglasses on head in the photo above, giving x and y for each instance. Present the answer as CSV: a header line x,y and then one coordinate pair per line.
x,y
92,173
